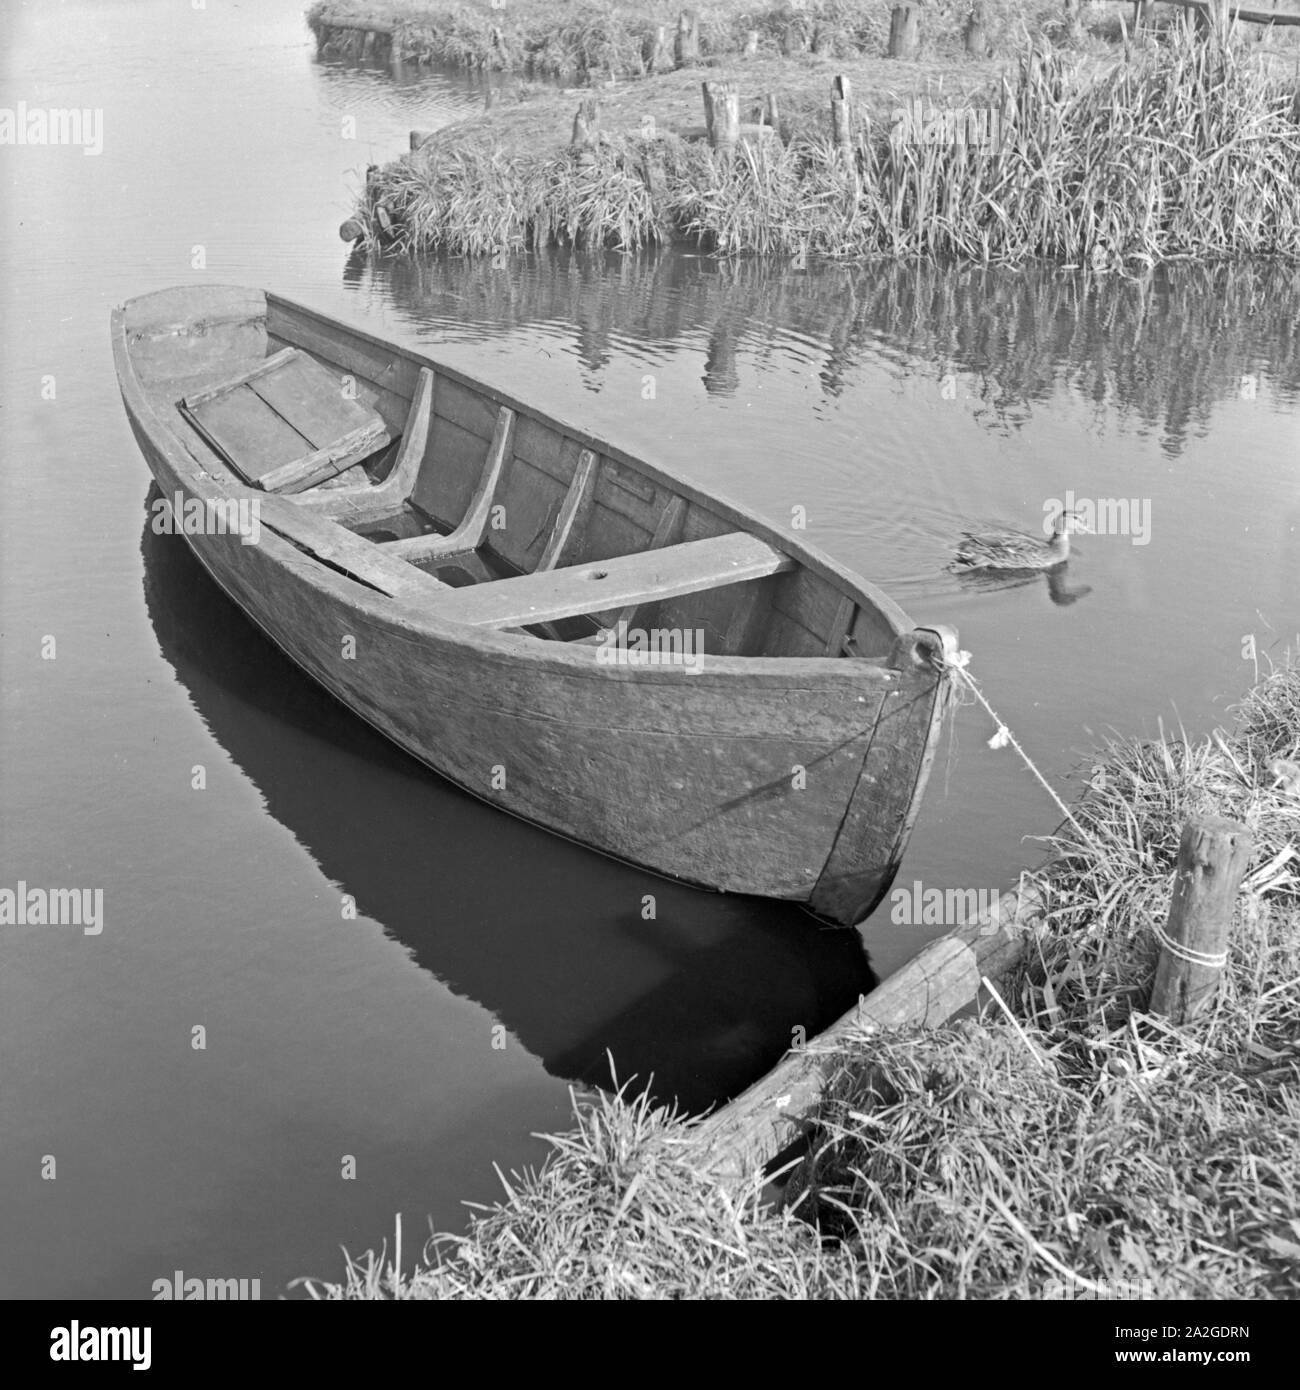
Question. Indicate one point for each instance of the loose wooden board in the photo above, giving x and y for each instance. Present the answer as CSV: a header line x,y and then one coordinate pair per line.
x,y
286,424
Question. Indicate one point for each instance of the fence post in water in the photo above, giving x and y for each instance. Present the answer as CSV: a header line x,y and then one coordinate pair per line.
x,y
584,122
842,114
771,115
686,48
977,43
1212,858
903,20
722,115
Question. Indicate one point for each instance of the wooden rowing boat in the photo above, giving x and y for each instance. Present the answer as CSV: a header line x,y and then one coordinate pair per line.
x,y
568,632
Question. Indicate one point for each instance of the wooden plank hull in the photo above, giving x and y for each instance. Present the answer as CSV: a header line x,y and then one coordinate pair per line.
x,y
795,779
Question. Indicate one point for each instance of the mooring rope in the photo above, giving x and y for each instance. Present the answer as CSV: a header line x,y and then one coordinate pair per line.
x,y
1213,960
957,664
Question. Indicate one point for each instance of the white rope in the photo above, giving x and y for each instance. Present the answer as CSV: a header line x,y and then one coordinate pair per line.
x,y
957,665
1212,960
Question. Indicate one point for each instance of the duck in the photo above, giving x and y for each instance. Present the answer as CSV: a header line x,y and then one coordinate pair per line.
x,y
1014,550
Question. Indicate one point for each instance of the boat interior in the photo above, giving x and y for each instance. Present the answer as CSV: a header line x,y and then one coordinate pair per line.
x,y
423,486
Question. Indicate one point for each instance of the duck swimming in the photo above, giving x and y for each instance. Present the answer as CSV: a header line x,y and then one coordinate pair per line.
x,y
1013,550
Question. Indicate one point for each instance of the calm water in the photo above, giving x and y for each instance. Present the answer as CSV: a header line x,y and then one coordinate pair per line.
x,y
894,406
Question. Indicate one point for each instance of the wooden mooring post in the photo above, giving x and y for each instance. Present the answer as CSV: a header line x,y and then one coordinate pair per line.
x,y
661,51
686,47
585,121
722,115
903,35
842,114
1212,858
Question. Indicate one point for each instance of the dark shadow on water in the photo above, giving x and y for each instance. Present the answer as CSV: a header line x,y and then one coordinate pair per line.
x,y
548,937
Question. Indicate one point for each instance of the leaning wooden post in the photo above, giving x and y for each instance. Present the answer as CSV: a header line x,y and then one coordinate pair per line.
x,y
1212,858
722,114
686,48
903,21
842,114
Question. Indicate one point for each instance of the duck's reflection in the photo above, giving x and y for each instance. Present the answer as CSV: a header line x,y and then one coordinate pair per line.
x,y
1056,579
558,943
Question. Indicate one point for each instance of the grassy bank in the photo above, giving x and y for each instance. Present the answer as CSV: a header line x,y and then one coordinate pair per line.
x,y
571,40
1084,1149
1179,149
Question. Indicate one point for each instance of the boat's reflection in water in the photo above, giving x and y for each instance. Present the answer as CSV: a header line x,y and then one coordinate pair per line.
x,y
551,939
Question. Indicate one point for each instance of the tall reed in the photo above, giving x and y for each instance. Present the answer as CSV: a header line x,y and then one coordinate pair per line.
x,y
1184,150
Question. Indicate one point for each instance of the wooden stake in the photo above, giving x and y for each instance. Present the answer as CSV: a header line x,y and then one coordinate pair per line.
x,y
977,44
585,121
722,114
661,51
903,21
751,44
771,115
842,113
686,48
1212,858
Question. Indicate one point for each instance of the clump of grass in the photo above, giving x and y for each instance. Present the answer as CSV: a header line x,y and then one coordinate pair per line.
x,y
1067,1147
478,199
1183,150
619,1210
1091,1148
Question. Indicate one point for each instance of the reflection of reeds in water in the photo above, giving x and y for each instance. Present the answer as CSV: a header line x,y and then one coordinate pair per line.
x,y
1165,347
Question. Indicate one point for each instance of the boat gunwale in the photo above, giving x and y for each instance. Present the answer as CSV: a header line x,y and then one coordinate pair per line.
x,y
416,612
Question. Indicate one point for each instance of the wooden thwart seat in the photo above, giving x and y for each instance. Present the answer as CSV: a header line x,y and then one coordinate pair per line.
x,y
285,425
549,595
